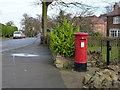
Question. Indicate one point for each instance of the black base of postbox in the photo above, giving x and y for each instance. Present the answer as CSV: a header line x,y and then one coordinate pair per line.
x,y
80,67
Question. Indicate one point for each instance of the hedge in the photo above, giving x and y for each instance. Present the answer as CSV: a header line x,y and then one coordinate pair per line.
x,y
7,30
96,41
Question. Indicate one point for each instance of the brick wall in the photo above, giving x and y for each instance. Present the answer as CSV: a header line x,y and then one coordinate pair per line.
x,y
110,24
101,28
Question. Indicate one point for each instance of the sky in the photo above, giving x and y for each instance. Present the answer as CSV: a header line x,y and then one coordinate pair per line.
x,y
13,10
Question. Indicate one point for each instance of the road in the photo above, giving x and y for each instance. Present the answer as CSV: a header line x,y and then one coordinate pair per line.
x,y
16,43
30,66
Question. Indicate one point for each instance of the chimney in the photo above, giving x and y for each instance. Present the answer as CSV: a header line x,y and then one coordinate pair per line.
x,y
116,6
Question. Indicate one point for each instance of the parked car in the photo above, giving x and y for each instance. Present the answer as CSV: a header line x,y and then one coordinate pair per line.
x,y
23,36
17,34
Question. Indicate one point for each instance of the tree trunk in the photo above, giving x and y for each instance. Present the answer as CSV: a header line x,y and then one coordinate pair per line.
x,y
44,21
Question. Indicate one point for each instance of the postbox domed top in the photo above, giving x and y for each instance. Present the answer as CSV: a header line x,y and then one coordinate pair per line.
x,y
81,34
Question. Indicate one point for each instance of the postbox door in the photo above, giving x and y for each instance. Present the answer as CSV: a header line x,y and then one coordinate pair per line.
x,y
83,49
82,43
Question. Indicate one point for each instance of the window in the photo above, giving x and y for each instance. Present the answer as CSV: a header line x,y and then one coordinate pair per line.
x,y
116,20
114,32
119,33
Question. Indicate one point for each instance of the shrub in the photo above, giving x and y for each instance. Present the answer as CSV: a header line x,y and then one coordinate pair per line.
x,y
62,40
95,34
7,30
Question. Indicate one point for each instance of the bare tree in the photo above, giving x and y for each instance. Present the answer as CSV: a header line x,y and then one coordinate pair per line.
x,y
84,23
10,23
60,17
108,9
58,3
50,22
82,19
31,25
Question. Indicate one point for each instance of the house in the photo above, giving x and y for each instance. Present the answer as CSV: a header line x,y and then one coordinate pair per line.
x,y
99,25
104,16
113,22
91,24
83,22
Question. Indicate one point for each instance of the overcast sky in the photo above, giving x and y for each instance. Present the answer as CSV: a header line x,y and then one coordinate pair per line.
x,y
13,10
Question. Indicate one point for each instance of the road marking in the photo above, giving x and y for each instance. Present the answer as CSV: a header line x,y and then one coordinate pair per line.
x,y
24,55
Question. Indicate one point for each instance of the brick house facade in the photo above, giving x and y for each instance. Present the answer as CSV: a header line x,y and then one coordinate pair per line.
x,y
92,24
113,22
99,25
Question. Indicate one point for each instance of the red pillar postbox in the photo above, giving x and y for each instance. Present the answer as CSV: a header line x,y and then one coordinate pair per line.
x,y
81,52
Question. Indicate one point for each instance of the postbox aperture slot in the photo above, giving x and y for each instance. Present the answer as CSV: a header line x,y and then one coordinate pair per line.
x,y
82,39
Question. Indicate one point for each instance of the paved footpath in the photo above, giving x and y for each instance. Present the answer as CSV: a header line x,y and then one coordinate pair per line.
x,y
30,72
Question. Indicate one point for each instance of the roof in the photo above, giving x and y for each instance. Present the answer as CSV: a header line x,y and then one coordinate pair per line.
x,y
114,13
97,20
104,16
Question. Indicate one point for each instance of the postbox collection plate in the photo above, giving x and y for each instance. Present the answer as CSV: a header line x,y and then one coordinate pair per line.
x,y
82,44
